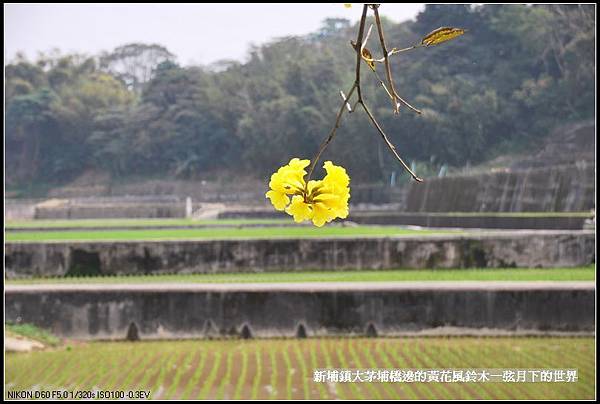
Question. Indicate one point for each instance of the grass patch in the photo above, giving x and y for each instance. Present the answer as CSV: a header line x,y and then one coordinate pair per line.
x,y
587,273
30,331
166,222
217,233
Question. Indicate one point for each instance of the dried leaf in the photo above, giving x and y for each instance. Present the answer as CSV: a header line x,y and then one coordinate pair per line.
x,y
441,35
367,57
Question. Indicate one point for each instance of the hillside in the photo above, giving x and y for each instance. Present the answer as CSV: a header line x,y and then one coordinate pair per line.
x,y
520,72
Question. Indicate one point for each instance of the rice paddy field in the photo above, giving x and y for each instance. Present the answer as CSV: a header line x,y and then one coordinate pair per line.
x,y
283,369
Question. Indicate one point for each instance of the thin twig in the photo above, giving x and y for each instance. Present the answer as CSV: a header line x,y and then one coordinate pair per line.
x,y
406,104
383,85
346,101
396,51
388,69
326,142
359,47
396,94
390,145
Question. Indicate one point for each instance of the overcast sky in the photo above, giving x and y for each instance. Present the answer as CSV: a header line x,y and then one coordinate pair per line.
x,y
195,33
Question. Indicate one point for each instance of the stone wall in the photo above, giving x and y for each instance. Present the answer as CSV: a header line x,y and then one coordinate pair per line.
x,y
551,189
126,211
431,219
500,249
279,310
19,209
482,221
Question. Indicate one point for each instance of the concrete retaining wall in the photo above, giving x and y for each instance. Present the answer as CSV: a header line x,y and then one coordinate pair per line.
x,y
247,191
427,219
472,221
549,189
500,249
19,209
112,211
184,311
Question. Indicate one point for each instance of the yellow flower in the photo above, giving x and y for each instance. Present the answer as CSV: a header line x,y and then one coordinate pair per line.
x,y
278,199
288,180
336,174
320,201
322,214
299,209
297,164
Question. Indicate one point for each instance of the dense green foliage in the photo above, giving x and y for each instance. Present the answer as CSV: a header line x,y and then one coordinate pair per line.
x,y
517,73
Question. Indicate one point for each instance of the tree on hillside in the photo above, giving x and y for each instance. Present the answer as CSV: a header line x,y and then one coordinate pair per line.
x,y
135,63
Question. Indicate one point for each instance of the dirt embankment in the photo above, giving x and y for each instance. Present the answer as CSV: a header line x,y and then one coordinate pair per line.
x,y
18,343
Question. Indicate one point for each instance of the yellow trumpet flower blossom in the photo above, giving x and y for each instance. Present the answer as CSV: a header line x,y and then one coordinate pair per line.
x,y
320,201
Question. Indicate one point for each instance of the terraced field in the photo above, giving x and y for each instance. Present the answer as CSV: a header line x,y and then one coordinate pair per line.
x,y
283,369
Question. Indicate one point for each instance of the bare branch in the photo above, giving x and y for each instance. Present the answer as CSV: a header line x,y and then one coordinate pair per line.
x,y
332,133
361,30
388,70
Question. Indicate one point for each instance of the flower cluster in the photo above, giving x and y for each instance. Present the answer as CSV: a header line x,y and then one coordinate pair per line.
x,y
320,201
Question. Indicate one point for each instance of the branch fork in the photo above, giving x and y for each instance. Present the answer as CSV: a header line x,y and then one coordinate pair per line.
x,y
397,101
